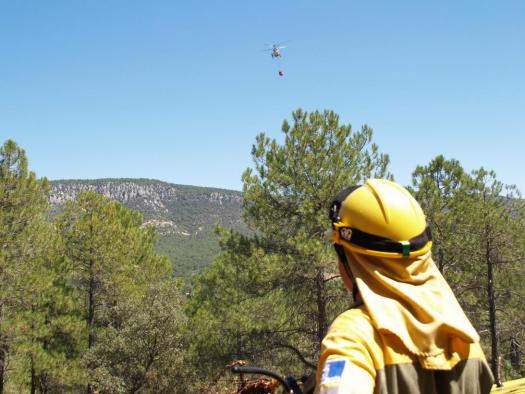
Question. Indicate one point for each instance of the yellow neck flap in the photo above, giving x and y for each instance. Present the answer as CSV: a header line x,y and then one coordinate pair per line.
x,y
410,298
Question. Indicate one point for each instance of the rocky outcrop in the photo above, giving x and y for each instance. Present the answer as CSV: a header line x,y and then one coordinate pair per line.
x,y
153,194
165,227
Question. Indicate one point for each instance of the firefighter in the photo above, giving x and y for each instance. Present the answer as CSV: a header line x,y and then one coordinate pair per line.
x,y
406,333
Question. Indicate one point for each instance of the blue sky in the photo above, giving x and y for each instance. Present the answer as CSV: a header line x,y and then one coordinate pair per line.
x,y
177,91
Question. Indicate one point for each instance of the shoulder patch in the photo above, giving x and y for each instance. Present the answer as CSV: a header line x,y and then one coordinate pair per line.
x,y
333,371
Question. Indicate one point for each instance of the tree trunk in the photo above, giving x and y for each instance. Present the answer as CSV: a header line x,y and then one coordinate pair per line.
x,y
32,363
4,349
91,317
91,304
3,354
43,376
33,377
514,353
492,316
322,324
91,313
43,383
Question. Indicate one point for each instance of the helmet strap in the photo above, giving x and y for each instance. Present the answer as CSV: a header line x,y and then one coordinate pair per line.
x,y
381,244
344,262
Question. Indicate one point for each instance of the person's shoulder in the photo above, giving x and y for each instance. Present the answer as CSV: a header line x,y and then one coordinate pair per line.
x,y
353,323
353,337
354,315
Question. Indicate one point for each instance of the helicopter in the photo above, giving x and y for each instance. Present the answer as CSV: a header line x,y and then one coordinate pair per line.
x,y
275,50
276,53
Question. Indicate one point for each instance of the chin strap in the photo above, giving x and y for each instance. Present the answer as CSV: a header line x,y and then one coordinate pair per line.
x,y
342,258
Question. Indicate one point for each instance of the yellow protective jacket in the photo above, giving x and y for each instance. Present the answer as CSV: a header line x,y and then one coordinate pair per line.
x,y
356,358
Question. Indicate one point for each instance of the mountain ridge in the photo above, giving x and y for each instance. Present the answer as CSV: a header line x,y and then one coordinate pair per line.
x,y
138,180
185,216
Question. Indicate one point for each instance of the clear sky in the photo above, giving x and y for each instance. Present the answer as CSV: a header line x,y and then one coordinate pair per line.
x,y
178,90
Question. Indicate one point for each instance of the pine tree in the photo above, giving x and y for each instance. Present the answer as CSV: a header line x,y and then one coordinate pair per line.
x,y
23,201
93,228
281,279
114,267
443,189
47,328
479,237
498,223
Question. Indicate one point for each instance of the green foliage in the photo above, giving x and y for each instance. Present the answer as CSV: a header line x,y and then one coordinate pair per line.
x,y
229,306
47,326
144,352
189,254
112,258
288,192
23,200
443,190
498,225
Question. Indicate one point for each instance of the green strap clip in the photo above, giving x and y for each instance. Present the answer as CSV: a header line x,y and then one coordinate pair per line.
x,y
406,248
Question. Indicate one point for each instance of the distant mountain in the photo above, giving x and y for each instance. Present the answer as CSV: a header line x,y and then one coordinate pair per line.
x,y
185,216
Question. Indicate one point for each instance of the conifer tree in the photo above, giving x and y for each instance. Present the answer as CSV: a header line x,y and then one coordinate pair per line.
x,y
47,328
443,189
114,266
498,224
479,237
281,279
23,200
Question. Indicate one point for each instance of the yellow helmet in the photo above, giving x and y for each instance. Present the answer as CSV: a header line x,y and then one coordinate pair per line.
x,y
380,218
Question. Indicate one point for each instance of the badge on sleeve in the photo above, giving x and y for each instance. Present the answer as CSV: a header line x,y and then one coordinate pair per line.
x,y
333,371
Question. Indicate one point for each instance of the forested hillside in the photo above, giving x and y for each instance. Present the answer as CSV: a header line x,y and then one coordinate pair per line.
x,y
89,303
184,216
